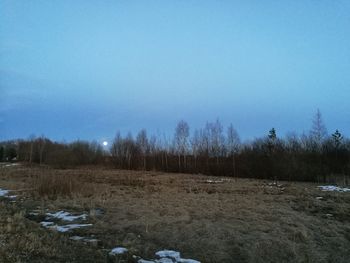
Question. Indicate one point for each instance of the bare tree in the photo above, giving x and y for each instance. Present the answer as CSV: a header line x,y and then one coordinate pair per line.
x,y
182,131
293,143
153,149
143,145
97,152
41,141
195,146
318,130
116,149
166,150
130,148
306,141
216,139
271,143
233,145
204,149
31,150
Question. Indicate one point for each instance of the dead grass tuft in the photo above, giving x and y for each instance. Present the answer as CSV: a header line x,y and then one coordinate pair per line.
x,y
129,180
54,185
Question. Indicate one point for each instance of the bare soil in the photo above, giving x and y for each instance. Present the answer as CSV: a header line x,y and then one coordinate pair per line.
x,y
210,219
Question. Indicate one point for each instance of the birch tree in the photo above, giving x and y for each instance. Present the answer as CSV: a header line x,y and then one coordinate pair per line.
x,y
318,130
182,132
233,144
143,145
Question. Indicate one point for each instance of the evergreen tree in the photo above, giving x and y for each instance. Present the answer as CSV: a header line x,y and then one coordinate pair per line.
x,y
272,134
337,138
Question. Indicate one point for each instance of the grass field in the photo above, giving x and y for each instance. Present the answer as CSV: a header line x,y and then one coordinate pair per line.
x,y
210,219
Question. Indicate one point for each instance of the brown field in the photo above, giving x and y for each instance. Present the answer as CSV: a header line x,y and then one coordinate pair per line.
x,y
230,221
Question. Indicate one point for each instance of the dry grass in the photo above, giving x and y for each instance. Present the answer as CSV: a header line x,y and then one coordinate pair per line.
x,y
22,240
234,221
55,185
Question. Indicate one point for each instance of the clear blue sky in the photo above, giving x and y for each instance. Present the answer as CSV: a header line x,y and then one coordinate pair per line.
x,y
85,69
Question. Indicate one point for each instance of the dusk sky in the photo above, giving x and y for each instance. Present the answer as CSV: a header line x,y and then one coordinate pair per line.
x,y
85,69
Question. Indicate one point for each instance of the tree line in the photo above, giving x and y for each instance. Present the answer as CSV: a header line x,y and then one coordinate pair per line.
x,y
212,150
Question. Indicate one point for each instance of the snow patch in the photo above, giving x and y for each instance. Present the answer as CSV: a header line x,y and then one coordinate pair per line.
x,y
4,192
84,239
69,227
168,256
333,188
46,224
184,260
8,164
65,216
165,260
76,238
118,251
33,213
92,240
63,228
214,181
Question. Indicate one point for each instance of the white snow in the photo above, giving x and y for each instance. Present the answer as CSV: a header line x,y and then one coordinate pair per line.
x,y
3,192
333,188
165,260
63,228
76,238
275,184
65,216
90,240
69,227
214,181
9,164
84,239
168,254
46,224
184,260
118,251
33,213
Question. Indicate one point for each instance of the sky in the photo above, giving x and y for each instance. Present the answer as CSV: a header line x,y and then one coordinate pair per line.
x,y
85,69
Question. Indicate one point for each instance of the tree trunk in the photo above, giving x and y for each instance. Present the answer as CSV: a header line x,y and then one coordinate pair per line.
x,y
184,162
31,153
195,163
166,162
234,166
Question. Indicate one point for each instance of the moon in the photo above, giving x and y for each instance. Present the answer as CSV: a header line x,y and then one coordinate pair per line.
x,y
105,143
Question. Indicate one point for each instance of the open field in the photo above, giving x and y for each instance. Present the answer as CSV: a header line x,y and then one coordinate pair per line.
x,y
210,219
